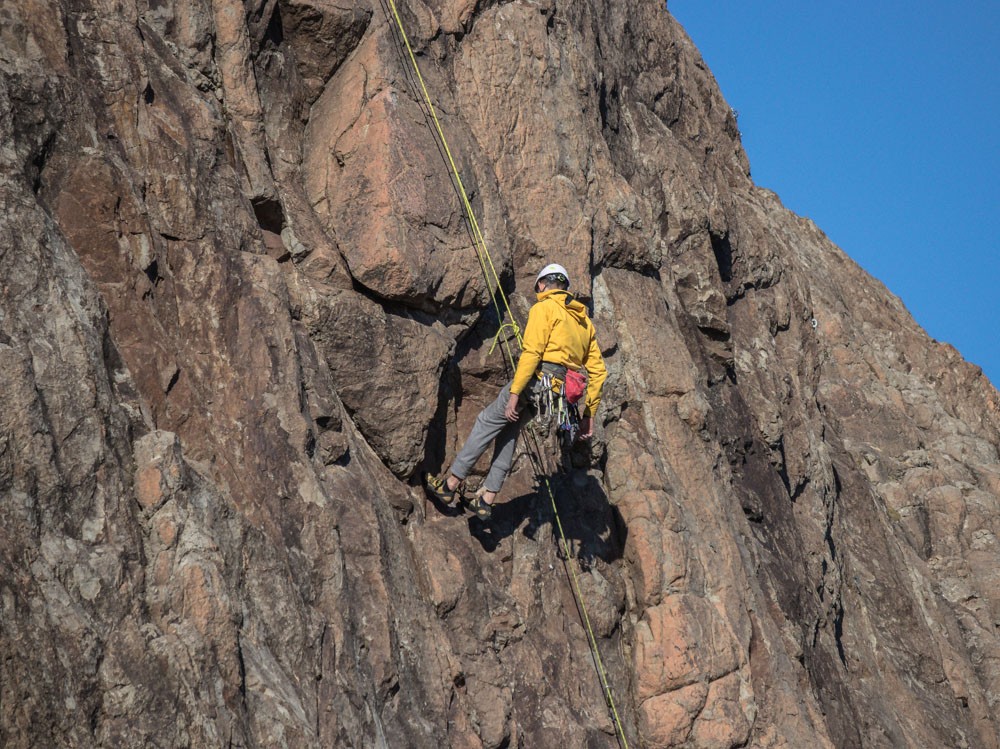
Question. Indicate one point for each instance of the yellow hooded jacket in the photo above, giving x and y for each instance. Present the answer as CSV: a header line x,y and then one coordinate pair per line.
x,y
559,331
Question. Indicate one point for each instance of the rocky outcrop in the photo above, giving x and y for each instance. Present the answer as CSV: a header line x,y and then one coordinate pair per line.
x,y
241,314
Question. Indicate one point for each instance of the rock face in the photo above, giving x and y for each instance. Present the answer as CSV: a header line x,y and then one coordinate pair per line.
x,y
241,313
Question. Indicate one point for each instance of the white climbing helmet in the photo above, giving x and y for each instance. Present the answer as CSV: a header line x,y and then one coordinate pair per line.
x,y
552,269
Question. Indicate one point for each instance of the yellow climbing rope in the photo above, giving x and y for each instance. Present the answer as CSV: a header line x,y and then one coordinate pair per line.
x,y
496,290
485,260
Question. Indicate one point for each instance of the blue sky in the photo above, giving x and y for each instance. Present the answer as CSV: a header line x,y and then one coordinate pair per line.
x,y
881,122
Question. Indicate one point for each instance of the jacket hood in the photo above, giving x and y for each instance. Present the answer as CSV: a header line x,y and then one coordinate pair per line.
x,y
566,300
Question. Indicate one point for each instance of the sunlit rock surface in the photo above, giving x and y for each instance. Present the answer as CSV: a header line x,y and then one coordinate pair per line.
x,y
241,314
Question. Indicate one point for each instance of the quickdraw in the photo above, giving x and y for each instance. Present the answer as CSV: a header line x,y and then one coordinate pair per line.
x,y
553,403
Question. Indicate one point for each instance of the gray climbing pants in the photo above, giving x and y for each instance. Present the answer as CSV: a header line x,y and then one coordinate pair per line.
x,y
492,425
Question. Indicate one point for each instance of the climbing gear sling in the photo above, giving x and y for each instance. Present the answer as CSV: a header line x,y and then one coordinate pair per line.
x,y
552,402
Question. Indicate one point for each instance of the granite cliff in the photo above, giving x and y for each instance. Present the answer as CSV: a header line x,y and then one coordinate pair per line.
x,y
241,313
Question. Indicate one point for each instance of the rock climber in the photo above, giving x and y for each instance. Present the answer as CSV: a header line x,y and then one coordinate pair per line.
x,y
559,340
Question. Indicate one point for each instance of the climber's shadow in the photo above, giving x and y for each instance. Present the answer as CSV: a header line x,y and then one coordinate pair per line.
x,y
507,517
594,528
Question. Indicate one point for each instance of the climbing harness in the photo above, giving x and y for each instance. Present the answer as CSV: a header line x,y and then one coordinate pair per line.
x,y
496,292
551,409
553,403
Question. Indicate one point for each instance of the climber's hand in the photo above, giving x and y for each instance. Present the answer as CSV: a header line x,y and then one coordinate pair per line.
x,y
586,428
510,413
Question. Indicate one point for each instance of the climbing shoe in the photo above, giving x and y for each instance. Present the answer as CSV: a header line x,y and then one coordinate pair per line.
x,y
437,487
483,509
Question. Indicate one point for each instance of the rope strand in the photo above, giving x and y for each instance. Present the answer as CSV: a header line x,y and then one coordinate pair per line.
x,y
485,260
496,290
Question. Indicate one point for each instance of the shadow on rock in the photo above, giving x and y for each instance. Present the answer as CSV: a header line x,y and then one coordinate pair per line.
x,y
593,527
451,511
